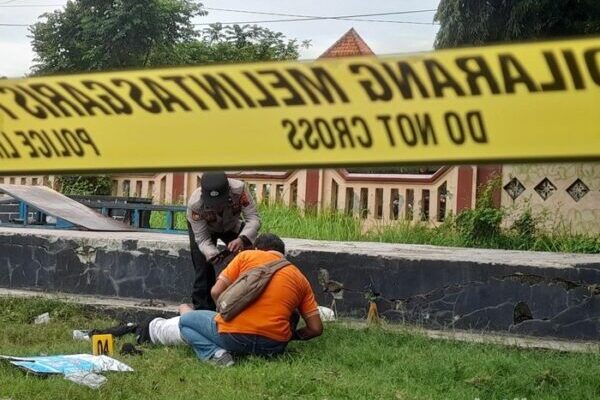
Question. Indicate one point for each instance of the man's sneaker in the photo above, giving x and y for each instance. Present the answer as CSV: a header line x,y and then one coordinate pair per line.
x,y
222,358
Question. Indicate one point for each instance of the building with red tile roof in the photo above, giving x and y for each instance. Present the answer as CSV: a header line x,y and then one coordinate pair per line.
x,y
349,45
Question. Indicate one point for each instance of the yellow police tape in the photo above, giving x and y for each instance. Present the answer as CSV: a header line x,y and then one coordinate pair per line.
x,y
537,101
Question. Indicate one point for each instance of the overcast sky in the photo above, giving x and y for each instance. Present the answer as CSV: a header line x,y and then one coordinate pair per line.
x,y
16,55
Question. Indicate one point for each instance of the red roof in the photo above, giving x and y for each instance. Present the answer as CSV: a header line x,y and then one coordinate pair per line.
x,y
351,44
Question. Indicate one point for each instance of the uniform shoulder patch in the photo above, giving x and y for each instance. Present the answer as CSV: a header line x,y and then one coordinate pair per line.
x,y
244,200
196,216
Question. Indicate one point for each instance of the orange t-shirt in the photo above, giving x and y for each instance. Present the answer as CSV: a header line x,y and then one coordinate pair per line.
x,y
270,314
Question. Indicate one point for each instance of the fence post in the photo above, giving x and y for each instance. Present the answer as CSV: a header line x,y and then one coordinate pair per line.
x,y
169,224
24,212
136,218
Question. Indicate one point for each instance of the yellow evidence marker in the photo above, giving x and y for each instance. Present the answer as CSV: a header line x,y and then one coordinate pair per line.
x,y
103,345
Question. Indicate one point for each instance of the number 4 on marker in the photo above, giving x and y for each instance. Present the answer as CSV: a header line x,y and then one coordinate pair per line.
x,y
102,345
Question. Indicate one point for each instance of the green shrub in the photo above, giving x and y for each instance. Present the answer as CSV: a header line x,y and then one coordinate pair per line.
x,y
85,185
524,231
481,225
526,225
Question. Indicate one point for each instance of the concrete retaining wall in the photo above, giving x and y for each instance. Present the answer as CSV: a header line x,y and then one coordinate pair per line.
x,y
433,286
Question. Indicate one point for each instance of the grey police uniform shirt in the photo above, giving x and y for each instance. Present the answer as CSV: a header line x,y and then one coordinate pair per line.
x,y
205,222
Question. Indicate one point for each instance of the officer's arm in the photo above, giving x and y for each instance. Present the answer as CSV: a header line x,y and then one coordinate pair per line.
x,y
251,217
202,236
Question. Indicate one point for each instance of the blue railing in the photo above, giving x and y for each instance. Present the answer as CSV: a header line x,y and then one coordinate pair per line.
x,y
136,211
136,215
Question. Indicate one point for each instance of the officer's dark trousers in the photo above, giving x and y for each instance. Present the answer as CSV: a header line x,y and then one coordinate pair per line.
x,y
205,271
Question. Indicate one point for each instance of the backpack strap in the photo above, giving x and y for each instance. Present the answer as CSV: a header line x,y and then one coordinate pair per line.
x,y
276,265
272,266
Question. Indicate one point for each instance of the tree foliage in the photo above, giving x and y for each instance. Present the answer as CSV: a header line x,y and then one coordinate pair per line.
x,y
220,44
475,22
98,35
93,35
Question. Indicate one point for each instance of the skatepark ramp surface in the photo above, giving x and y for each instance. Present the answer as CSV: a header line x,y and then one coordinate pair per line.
x,y
52,203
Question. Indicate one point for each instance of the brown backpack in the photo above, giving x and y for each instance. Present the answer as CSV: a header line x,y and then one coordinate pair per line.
x,y
247,288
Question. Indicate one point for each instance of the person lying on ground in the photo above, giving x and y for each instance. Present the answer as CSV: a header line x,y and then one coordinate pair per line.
x,y
154,329
263,327
161,331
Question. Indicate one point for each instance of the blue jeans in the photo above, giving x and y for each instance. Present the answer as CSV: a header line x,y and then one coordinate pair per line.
x,y
199,330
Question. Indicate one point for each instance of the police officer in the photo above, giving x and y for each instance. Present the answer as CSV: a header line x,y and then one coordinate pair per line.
x,y
213,212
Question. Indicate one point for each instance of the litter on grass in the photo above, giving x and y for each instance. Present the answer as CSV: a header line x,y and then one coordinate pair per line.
x,y
89,379
327,314
81,335
68,364
42,319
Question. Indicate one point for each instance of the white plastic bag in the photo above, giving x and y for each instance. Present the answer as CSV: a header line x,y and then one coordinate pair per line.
x,y
89,379
42,319
327,314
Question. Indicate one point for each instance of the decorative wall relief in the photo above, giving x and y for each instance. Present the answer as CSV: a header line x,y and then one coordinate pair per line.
x,y
578,190
545,188
568,193
514,188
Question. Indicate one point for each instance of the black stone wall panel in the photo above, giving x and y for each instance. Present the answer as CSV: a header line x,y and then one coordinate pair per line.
x,y
564,302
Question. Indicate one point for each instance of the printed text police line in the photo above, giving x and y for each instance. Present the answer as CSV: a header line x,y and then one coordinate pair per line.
x,y
54,143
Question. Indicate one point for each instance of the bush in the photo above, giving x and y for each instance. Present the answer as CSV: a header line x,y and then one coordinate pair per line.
x,y
85,185
525,230
481,225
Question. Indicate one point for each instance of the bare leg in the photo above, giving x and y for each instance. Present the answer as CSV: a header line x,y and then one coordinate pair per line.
x,y
185,308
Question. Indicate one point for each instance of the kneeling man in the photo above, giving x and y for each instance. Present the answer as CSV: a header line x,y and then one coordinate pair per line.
x,y
264,327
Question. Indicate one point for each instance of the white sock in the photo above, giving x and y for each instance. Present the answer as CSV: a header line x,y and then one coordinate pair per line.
x,y
219,353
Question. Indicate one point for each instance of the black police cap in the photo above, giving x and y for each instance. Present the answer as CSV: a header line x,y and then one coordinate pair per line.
x,y
215,188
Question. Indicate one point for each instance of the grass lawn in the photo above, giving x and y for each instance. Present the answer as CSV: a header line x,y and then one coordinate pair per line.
x,y
343,364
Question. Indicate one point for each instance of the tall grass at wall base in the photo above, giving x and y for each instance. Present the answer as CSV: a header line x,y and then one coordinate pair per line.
x,y
321,225
480,229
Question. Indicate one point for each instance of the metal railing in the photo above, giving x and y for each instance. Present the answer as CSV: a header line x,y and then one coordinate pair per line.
x,y
135,214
